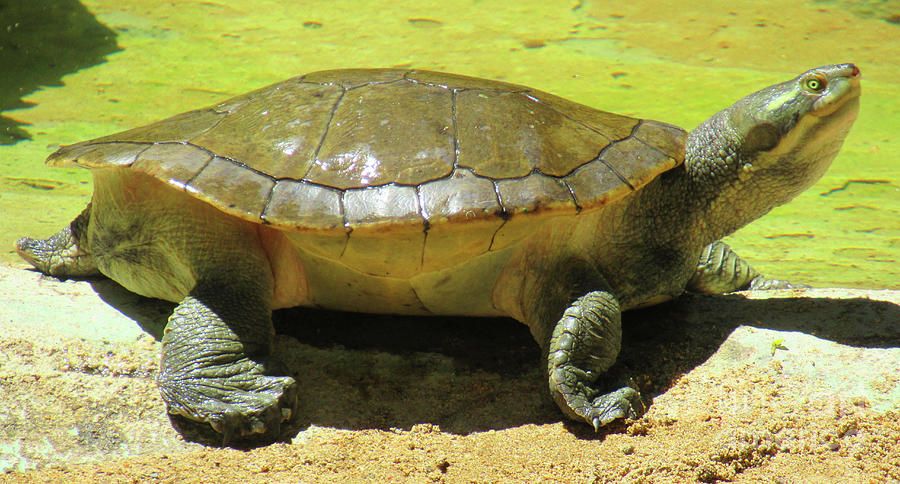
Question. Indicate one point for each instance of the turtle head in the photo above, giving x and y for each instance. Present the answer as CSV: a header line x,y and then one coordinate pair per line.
x,y
773,144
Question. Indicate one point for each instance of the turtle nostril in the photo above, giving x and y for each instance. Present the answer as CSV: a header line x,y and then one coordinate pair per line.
x,y
855,71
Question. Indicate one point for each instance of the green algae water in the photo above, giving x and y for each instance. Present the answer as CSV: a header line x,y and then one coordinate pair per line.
x,y
647,59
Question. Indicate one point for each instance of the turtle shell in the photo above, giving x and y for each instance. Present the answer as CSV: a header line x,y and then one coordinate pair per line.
x,y
344,150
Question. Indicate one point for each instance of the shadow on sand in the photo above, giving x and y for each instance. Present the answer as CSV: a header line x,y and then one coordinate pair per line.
x,y
365,371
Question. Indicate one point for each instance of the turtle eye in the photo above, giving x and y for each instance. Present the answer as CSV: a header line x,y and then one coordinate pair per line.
x,y
814,83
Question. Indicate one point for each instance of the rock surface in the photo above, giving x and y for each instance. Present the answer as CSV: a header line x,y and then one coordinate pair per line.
x,y
799,385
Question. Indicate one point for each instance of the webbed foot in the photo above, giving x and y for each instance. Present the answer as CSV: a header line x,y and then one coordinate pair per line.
x,y
238,399
214,368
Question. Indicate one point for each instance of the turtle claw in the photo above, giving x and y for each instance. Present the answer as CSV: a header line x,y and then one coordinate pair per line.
x,y
762,283
245,428
601,410
624,403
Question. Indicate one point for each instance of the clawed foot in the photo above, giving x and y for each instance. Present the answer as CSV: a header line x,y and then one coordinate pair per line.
x,y
247,405
584,344
61,255
624,403
762,283
581,403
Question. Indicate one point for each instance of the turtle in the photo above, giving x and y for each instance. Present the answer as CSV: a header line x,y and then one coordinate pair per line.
x,y
404,191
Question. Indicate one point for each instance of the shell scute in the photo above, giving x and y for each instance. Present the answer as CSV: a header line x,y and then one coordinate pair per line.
x,y
376,149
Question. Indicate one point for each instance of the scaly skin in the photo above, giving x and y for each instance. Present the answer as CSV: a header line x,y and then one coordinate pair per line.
x,y
584,345
214,371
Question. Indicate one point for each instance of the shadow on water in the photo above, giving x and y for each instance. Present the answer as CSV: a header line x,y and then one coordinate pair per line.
x,y
364,371
41,41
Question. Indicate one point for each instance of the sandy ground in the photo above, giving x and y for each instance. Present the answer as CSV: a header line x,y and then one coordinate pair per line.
x,y
796,386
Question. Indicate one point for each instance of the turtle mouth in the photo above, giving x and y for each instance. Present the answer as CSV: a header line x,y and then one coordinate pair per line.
x,y
839,106
842,96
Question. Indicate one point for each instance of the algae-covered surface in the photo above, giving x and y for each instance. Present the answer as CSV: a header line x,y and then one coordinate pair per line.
x,y
658,60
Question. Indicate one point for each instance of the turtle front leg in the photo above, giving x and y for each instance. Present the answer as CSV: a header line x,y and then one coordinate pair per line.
x,y
64,254
721,270
215,365
581,339
585,343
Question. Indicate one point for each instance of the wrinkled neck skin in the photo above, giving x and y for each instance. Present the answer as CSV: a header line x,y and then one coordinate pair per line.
x,y
722,183
738,169
747,159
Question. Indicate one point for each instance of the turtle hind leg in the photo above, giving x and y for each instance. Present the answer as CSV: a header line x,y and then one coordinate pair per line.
x,y
721,270
584,344
215,365
62,255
